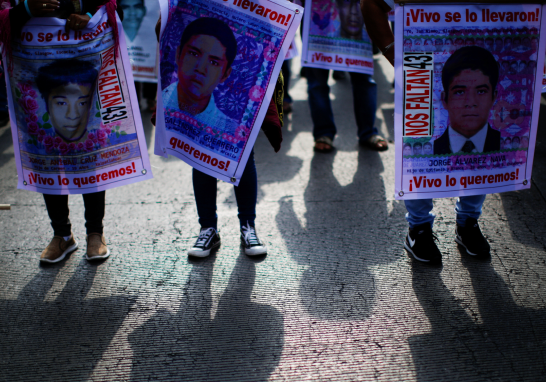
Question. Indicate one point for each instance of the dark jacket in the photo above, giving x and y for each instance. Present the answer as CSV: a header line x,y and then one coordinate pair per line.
x,y
492,142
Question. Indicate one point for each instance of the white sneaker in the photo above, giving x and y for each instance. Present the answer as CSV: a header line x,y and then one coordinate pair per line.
x,y
208,239
250,242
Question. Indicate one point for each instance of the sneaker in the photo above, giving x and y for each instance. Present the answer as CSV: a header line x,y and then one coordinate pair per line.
x,y
208,239
420,243
58,248
250,242
471,238
96,247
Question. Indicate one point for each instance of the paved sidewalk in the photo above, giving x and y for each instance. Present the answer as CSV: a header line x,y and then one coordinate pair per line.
x,y
336,298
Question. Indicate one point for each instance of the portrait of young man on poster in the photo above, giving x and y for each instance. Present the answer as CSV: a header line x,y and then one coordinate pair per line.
x,y
351,19
133,14
469,77
68,88
204,57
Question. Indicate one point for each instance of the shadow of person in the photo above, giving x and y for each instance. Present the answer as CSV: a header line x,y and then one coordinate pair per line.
x,y
526,223
346,232
504,341
61,340
243,341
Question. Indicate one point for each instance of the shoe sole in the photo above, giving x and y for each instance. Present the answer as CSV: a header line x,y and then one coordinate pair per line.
x,y
200,253
70,249
256,252
98,257
458,240
407,247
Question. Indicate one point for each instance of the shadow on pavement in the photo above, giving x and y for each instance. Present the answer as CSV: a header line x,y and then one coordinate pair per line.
x,y
243,341
5,143
502,341
524,210
61,340
338,238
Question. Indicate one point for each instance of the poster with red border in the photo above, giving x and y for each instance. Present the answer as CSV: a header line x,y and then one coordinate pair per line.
x,y
219,63
467,97
74,114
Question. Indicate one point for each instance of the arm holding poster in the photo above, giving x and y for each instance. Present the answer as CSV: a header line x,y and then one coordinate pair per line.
x,y
219,83
377,25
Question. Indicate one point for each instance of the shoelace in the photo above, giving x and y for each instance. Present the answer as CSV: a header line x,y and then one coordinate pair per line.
x,y
204,235
429,233
249,234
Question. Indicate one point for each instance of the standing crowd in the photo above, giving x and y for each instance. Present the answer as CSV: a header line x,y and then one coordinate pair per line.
x,y
207,52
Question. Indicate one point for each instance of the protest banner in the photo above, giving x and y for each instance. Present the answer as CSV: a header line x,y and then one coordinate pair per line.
x,y
292,51
75,120
467,97
334,37
139,19
219,62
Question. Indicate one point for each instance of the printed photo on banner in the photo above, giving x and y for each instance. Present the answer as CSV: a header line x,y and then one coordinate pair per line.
x,y
334,36
75,129
139,19
219,62
466,104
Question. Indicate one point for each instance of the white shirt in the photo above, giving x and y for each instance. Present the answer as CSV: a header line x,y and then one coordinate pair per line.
x,y
457,141
211,116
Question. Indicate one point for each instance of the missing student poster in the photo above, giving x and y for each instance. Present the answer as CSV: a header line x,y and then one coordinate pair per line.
x,y
467,97
75,120
334,37
219,62
139,20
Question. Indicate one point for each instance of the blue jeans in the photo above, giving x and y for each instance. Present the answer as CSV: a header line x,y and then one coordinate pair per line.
x,y
364,102
246,194
420,210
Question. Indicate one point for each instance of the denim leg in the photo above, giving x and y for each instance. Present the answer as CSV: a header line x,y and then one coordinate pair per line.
x,y
287,73
468,207
57,209
246,193
365,104
3,95
419,212
204,190
319,103
94,211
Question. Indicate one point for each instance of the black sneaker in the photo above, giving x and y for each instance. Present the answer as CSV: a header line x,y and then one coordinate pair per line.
x,y
471,238
250,242
420,243
208,239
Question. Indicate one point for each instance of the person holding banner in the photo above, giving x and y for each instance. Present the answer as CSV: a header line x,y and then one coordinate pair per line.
x,y
470,78
204,59
364,91
67,87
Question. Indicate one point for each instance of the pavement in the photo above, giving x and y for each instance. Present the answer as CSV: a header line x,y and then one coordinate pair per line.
x,y
336,298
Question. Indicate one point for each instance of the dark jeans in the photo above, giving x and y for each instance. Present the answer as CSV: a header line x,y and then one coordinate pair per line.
x,y
287,73
246,194
57,208
3,93
364,103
